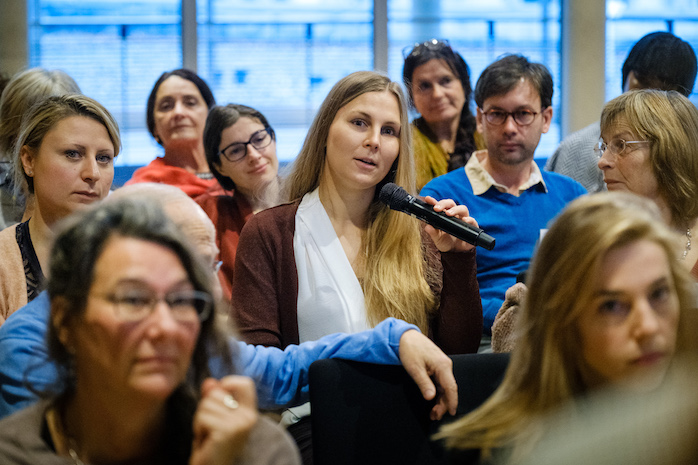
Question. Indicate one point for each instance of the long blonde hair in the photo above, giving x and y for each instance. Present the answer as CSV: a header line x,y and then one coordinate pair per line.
x,y
546,365
394,281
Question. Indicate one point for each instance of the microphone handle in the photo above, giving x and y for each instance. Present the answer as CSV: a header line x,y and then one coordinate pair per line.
x,y
451,225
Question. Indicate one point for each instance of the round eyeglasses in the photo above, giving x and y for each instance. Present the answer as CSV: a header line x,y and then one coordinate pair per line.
x,y
499,117
135,305
238,150
419,47
616,146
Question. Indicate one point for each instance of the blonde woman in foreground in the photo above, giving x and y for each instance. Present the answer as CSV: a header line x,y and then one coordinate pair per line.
x,y
335,258
605,300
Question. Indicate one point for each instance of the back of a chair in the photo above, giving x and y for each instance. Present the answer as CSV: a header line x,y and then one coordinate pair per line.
x,y
477,375
374,414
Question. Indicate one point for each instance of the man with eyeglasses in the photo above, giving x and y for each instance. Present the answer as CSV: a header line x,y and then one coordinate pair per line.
x,y
659,60
502,186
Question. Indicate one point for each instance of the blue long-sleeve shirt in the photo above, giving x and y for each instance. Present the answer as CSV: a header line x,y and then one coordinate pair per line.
x,y
281,376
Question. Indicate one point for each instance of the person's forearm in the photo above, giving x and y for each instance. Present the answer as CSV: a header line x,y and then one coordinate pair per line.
x,y
282,376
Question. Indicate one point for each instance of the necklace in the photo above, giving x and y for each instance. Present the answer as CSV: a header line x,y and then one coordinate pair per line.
x,y
73,454
204,176
59,432
688,244
70,442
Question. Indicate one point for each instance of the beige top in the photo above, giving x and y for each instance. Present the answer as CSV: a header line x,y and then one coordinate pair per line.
x,y
13,282
481,180
23,441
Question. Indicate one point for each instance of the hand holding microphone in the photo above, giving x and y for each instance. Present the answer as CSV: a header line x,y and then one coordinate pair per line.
x,y
443,240
398,199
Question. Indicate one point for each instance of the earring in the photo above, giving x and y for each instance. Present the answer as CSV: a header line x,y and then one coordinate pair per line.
x,y
30,173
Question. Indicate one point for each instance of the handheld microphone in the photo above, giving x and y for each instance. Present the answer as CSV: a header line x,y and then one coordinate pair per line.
x,y
398,199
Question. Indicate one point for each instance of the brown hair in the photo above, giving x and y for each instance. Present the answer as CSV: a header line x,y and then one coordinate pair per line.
x,y
45,115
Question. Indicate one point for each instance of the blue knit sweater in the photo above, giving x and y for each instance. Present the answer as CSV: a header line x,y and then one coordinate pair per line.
x,y
515,223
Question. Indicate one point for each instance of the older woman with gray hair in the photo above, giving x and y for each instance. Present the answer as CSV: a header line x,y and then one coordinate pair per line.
x,y
132,330
649,146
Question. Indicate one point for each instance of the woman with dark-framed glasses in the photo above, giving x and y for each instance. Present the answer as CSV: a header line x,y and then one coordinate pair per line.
x,y
649,146
240,148
438,82
131,333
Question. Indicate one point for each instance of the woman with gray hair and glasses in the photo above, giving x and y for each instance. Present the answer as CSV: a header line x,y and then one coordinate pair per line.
x,y
132,330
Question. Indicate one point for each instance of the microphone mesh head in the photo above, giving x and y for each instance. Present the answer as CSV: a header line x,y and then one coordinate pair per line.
x,y
393,196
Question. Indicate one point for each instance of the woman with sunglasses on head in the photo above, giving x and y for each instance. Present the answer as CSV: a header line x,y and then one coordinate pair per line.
x,y
176,114
132,331
608,306
438,82
240,148
64,154
649,146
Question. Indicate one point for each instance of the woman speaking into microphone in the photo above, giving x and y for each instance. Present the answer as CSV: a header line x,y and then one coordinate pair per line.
x,y
336,258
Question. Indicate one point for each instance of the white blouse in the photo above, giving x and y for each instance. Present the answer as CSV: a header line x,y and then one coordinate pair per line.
x,y
330,298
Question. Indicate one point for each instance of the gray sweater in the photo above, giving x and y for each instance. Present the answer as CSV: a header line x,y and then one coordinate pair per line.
x,y
25,439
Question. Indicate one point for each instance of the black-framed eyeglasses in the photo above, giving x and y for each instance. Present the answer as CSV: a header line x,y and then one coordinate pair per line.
x,y
521,117
616,146
238,150
419,47
187,306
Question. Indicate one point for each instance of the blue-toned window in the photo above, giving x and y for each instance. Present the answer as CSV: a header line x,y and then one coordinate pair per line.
x,y
280,56
115,50
481,32
629,20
